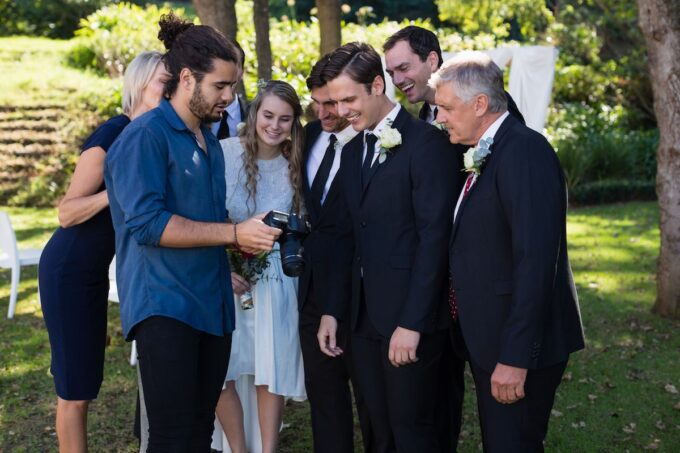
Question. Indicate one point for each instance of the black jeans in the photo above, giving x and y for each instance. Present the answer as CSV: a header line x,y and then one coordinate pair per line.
x,y
183,370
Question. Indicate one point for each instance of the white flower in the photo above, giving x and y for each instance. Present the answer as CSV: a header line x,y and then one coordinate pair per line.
x,y
468,159
389,138
474,158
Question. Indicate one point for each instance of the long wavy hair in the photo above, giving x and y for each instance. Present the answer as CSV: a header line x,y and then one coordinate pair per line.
x,y
291,148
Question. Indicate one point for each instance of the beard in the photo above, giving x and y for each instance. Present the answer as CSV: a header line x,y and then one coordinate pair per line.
x,y
202,108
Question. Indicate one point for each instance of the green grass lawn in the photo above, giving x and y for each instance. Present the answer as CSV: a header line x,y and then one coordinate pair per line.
x,y
618,395
38,74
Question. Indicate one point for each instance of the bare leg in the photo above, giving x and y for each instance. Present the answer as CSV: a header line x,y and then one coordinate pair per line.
x,y
72,426
230,414
269,413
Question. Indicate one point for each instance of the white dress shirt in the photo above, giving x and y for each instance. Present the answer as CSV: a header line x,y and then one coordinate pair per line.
x,y
234,111
489,133
319,150
384,123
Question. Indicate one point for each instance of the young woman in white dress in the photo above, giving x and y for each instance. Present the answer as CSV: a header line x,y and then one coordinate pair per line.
x,y
262,167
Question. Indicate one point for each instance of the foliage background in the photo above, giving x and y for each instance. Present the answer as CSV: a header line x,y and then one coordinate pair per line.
x,y
601,120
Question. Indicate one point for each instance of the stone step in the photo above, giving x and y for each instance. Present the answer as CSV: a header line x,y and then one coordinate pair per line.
x,y
30,125
22,163
29,137
45,114
31,107
13,177
34,149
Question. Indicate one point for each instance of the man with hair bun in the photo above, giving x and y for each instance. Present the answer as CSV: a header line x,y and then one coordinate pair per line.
x,y
508,257
166,186
397,180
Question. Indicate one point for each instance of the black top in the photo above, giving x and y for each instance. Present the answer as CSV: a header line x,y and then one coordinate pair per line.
x,y
88,246
103,137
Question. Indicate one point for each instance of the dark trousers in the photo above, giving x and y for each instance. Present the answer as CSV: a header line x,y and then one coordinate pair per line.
x,y
401,401
450,403
182,370
520,426
327,380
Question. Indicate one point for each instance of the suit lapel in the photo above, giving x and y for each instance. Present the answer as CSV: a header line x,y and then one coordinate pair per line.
x,y
424,110
401,123
507,124
313,131
354,151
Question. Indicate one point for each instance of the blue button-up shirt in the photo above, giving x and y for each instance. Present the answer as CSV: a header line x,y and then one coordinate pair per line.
x,y
156,169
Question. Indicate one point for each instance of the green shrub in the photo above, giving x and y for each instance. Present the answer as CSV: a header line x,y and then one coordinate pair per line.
x,y
111,37
50,18
595,145
611,191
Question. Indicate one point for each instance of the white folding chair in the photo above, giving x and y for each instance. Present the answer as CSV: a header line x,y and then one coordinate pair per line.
x,y
113,297
12,257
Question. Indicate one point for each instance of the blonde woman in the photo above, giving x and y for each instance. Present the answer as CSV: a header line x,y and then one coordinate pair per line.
x,y
73,271
263,168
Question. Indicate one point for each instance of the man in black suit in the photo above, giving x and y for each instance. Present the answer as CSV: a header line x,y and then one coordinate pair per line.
x,y
328,254
398,182
514,298
237,111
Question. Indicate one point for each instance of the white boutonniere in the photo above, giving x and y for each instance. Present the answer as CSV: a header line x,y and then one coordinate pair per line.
x,y
438,125
240,126
389,138
474,158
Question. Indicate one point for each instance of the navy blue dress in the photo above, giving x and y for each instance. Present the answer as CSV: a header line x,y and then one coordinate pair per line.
x,y
74,287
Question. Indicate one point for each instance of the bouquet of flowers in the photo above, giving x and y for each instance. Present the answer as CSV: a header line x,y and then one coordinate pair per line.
x,y
250,267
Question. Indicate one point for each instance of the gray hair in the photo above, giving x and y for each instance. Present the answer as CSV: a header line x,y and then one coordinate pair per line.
x,y
473,73
137,76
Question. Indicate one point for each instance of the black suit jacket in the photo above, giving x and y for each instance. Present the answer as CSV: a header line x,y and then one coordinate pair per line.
x,y
516,298
401,221
329,247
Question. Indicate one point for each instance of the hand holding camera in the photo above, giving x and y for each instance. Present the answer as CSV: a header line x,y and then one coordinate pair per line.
x,y
295,228
254,236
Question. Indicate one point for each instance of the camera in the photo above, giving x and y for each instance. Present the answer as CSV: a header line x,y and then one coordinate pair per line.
x,y
295,228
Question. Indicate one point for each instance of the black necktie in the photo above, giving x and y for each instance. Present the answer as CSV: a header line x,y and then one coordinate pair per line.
x,y
223,131
368,160
324,170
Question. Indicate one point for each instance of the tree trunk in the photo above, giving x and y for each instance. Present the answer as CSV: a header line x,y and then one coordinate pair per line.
x,y
219,14
660,24
329,24
262,45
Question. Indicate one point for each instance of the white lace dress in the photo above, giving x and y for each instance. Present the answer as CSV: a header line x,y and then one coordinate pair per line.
x,y
265,343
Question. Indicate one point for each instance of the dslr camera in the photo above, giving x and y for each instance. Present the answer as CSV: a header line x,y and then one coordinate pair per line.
x,y
295,228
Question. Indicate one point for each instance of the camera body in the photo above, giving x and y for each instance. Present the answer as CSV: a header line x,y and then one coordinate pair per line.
x,y
294,229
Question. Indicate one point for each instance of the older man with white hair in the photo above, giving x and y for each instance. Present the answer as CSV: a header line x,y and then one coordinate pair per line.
x,y
514,303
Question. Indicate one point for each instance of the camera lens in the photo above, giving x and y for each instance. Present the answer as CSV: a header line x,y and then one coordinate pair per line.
x,y
291,257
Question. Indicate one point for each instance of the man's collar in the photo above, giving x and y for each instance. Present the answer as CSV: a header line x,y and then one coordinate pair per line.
x,y
171,115
234,109
385,122
345,135
490,132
